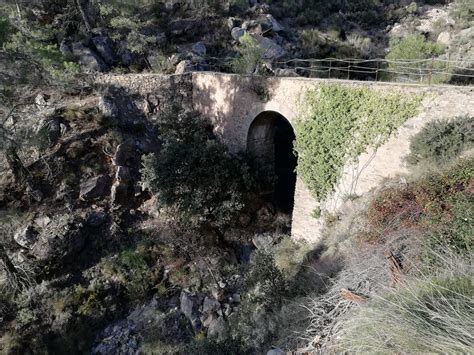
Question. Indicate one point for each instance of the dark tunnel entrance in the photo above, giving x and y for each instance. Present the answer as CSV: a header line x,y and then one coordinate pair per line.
x,y
270,144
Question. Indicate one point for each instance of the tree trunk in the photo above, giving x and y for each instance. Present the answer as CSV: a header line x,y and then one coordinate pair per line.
x,y
7,263
16,166
85,18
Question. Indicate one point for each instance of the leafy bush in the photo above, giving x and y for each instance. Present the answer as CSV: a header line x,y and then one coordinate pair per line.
x,y
132,268
4,31
43,56
439,206
462,11
441,141
250,56
340,124
267,278
436,312
195,179
414,47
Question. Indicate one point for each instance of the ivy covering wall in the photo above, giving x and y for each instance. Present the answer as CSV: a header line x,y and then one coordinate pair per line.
x,y
339,124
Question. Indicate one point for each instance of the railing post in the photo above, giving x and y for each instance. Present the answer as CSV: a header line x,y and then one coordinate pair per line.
x,y
349,71
377,72
430,74
330,66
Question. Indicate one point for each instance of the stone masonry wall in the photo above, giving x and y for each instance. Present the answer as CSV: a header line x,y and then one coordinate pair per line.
x,y
232,102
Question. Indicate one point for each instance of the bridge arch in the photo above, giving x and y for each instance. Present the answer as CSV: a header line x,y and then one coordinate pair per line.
x,y
270,140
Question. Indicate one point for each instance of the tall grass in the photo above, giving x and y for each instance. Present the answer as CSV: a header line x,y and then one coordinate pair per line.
x,y
429,313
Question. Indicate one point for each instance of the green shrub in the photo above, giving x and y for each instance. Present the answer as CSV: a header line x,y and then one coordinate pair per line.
x,y
195,179
441,141
4,31
136,274
462,11
250,56
289,255
454,232
425,315
414,47
439,206
340,124
265,276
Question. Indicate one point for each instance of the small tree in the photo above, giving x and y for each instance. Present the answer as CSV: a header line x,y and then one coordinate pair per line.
x,y
250,56
414,48
195,179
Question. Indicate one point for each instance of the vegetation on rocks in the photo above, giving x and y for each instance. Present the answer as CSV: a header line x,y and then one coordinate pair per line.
x,y
194,178
441,141
126,226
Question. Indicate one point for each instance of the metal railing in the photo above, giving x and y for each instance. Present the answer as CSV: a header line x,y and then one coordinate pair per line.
x,y
430,71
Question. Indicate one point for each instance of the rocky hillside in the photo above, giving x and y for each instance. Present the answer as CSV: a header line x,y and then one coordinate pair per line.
x,y
126,227
176,37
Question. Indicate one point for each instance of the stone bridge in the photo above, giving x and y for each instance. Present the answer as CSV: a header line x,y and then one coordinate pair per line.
x,y
256,115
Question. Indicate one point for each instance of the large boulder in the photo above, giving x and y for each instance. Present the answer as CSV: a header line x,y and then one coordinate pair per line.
x,y
60,239
26,237
218,329
199,48
184,66
264,241
237,32
125,154
105,47
65,49
93,188
189,305
270,49
88,59
124,54
444,38
273,23
210,305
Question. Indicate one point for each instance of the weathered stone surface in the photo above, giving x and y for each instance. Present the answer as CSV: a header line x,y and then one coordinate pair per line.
x,y
276,351
188,304
285,72
93,188
444,38
270,49
189,307
42,221
210,305
96,218
60,239
89,60
184,66
65,49
237,32
274,24
105,47
218,329
26,237
263,241
107,106
222,98
126,56
41,100
200,49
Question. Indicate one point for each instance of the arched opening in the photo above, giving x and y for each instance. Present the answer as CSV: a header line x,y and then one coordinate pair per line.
x,y
270,144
